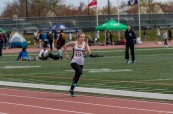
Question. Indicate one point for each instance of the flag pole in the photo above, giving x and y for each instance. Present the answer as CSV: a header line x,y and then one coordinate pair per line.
x,y
139,14
118,19
96,16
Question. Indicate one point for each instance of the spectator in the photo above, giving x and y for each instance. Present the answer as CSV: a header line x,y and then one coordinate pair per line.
x,y
90,40
145,35
111,36
130,37
170,34
165,38
50,40
40,39
61,43
45,55
1,44
69,37
158,35
44,38
23,55
36,38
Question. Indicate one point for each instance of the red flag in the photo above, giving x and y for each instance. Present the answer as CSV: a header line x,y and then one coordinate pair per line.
x,y
92,3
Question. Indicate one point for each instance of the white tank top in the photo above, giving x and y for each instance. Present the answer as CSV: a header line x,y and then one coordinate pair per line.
x,y
78,54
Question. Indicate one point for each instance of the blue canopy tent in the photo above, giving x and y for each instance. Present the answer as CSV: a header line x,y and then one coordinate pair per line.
x,y
59,26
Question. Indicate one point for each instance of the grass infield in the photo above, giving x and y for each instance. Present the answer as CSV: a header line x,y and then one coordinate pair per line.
x,y
153,71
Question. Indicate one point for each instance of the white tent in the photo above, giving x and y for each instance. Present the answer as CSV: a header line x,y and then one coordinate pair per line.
x,y
17,40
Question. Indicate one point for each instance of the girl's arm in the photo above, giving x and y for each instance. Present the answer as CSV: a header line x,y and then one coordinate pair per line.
x,y
65,48
88,49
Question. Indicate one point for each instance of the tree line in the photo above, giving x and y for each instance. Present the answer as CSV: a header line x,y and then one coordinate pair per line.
x,y
35,8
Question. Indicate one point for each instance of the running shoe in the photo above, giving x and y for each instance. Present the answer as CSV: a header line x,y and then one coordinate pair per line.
x,y
72,93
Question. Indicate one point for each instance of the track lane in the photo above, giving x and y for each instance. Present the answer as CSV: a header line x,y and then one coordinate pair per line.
x,y
29,100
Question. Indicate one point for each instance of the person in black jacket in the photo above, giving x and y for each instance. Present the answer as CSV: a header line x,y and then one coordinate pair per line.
x,y
170,34
130,41
1,44
61,43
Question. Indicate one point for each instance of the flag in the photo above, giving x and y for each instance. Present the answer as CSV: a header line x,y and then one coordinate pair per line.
x,y
92,3
132,2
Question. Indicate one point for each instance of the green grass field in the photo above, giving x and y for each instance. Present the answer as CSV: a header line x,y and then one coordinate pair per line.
x,y
153,71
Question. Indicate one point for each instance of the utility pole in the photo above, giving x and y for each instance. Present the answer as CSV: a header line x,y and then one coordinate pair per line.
x,y
26,3
38,7
88,8
150,11
109,9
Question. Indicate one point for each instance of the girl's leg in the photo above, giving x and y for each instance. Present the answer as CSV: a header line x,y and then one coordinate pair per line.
x,y
78,73
132,53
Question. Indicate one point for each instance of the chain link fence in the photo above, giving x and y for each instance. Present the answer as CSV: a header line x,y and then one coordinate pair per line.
x,y
85,23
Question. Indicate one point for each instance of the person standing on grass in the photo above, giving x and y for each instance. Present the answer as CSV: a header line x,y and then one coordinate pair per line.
x,y
61,43
130,41
77,60
158,35
165,38
170,34
1,44
145,35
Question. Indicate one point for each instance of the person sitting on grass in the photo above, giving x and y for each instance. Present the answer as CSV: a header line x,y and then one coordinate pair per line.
x,y
23,55
45,55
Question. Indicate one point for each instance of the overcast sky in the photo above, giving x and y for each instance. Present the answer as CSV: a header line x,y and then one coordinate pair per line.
x,y
76,3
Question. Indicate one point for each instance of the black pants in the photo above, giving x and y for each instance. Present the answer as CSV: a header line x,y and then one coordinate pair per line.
x,y
170,37
165,42
78,72
51,47
131,46
54,57
0,51
50,55
60,44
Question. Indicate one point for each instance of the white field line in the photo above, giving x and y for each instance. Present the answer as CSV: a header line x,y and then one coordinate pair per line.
x,y
147,49
19,67
108,51
101,57
45,108
104,51
103,70
157,80
30,73
83,103
94,63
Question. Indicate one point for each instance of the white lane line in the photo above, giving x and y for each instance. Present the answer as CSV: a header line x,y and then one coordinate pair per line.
x,y
53,109
3,113
85,103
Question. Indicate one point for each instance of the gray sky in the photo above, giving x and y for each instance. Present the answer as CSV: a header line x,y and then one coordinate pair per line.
x,y
76,3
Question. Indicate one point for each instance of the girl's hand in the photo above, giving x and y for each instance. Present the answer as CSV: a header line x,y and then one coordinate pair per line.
x,y
67,56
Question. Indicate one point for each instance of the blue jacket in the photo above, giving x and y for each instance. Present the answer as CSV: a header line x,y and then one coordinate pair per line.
x,y
23,54
130,36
